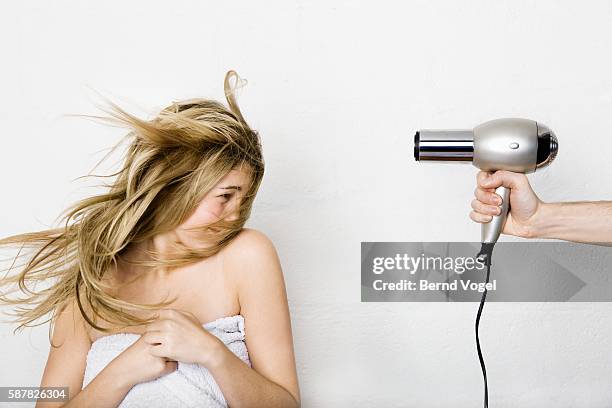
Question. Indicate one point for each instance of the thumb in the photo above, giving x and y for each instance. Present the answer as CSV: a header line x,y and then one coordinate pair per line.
x,y
504,178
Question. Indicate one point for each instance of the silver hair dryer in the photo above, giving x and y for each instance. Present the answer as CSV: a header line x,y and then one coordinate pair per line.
x,y
518,145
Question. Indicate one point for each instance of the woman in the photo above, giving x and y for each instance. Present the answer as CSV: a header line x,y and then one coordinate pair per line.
x,y
159,295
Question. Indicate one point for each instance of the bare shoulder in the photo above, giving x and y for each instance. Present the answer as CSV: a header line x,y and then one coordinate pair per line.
x,y
252,257
251,242
250,248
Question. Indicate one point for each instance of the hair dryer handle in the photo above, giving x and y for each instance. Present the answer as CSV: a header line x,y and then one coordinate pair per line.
x,y
491,230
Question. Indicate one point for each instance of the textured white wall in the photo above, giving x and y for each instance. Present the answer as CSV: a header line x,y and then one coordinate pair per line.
x,y
336,89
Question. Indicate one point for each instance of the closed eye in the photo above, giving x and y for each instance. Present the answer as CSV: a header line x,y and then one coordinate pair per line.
x,y
226,196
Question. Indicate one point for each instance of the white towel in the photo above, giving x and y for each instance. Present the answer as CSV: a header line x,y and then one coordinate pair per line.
x,y
190,385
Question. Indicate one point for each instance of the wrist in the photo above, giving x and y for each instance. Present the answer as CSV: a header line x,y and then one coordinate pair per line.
x,y
543,221
117,378
215,355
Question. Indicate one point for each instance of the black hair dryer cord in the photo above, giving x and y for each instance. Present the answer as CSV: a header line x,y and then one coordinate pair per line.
x,y
486,251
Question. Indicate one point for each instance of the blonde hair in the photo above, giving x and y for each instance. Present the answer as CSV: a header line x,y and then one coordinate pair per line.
x,y
172,162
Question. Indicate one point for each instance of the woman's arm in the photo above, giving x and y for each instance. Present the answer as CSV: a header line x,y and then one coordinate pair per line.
x,y
107,389
66,365
272,381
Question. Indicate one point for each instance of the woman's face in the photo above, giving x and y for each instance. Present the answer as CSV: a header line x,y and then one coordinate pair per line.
x,y
223,201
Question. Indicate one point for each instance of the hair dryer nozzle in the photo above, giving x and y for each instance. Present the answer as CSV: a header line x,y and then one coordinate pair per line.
x,y
444,145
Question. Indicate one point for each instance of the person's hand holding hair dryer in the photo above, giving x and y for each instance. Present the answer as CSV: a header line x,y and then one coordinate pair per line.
x,y
530,217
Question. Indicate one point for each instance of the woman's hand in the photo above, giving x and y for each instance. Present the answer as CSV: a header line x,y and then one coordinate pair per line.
x,y
178,335
137,364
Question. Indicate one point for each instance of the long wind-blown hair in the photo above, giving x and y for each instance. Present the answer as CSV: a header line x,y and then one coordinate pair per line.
x,y
171,163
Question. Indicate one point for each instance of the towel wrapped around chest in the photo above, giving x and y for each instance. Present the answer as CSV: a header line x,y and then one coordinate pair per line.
x,y
189,386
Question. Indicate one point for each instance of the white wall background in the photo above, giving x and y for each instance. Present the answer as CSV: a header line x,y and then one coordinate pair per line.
x,y
337,89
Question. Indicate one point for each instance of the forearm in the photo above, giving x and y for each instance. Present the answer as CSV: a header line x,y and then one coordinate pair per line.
x,y
242,386
106,390
584,221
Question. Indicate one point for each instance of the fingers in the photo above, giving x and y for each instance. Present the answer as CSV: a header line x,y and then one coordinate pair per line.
x,y
486,204
487,197
158,341
485,190
160,325
153,337
504,178
485,209
160,350
478,217
481,176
